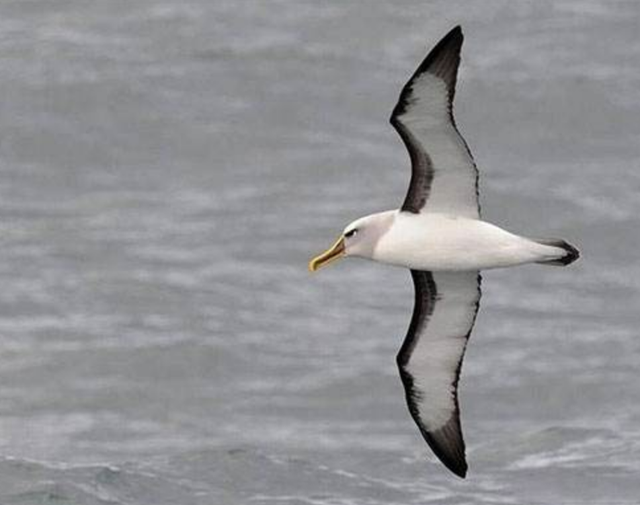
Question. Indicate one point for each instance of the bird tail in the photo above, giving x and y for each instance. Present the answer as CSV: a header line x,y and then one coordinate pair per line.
x,y
567,254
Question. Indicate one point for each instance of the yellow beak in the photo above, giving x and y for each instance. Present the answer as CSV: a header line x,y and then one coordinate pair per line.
x,y
333,253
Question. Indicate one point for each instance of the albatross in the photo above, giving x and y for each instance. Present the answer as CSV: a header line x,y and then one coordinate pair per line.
x,y
439,235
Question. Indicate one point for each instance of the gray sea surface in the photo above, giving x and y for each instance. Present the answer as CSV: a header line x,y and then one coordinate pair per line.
x,y
167,169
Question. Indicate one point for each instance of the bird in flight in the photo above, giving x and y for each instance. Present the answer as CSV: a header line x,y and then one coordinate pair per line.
x,y
439,235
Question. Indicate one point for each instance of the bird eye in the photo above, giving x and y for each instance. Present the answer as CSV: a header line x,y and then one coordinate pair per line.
x,y
351,233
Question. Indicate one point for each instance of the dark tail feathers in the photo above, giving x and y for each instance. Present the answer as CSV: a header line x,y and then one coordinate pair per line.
x,y
572,254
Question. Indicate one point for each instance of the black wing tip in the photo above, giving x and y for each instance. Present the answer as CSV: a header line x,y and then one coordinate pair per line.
x,y
454,35
443,61
457,466
450,44
448,445
456,30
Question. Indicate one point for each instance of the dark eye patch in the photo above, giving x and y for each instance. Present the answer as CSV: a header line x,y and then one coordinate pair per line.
x,y
351,233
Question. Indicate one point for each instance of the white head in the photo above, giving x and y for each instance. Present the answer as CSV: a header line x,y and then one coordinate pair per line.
x,y
359,238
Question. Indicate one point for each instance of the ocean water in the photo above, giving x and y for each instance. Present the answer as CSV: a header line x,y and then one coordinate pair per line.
x,y
168,168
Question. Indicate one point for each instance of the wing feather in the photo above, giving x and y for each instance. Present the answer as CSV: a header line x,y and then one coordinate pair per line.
x,y
430,359
444,177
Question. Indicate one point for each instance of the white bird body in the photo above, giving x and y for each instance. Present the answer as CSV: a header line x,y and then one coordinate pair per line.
x,y
441,242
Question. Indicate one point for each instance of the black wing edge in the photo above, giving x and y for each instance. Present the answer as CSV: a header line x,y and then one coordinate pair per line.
x,y
447,443
442,61
421,171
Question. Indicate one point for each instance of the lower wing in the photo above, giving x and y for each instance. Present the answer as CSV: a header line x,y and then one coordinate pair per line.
x,y
430,359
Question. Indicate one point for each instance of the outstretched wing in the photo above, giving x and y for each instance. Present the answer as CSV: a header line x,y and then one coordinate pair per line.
x,y
430,358
444,177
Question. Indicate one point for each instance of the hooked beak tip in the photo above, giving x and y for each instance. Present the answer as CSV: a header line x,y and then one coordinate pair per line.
x,y
336,251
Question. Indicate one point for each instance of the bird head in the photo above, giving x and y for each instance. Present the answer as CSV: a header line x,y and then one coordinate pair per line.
x,y
359,238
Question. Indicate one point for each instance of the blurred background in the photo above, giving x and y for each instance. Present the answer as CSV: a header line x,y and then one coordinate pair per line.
x,y
167,170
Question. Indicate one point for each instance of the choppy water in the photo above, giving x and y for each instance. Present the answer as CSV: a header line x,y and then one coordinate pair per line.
x,y
167,169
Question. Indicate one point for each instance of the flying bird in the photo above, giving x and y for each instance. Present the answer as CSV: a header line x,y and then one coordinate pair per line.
x,y
439,235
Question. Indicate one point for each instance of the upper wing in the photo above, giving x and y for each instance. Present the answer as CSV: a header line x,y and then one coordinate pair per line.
x,y
431,357
444,177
